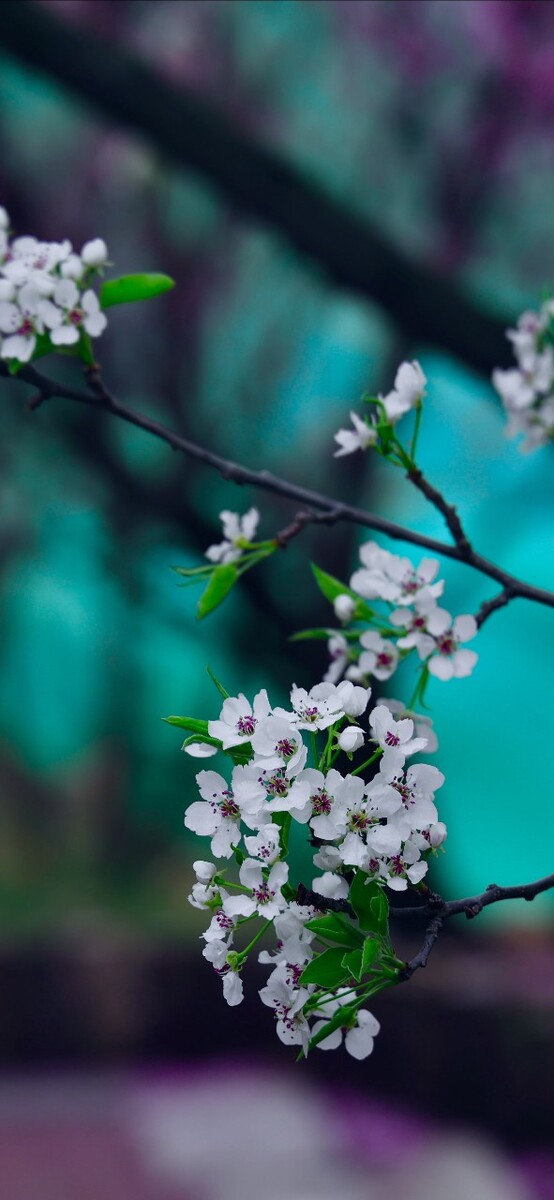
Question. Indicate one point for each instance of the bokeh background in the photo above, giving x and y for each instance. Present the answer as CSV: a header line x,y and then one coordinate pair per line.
x,y
335,186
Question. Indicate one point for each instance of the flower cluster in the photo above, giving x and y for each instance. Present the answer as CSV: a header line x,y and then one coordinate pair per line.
x,y
45,293
407,394
413,621
527,391
370,836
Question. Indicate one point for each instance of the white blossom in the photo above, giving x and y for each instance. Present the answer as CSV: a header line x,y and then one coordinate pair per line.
x,y
351,739
358,438
217,815
408,391
338,651
237,532
379,657
394,578
395,737
442,653
316,709
423,725
238,719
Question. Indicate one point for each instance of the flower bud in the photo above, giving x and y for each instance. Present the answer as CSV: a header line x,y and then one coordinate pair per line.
x,y
344,607
351,739
437,834
204,871
199,749
95,253
72,268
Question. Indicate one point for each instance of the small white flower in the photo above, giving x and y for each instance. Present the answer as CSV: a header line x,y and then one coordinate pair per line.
x,y
380,656
266,897
395,738
238,719
423,726
394,578
316,709
237,532
358,438
359,1040
278,742
265,845
217,815
445,660
408,391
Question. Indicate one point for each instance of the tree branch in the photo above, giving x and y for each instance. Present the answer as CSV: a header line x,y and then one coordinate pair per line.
x,y
254,179
333,510
436,911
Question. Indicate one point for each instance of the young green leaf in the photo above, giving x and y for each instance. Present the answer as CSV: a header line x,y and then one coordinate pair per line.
x,y
222,691
331,928
325,969
190,723
380,912
353,963
223,579
331,588
199,737
370,951
134,287
363,893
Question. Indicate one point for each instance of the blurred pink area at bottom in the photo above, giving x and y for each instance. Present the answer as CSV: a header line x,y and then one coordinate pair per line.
x,y
236,1133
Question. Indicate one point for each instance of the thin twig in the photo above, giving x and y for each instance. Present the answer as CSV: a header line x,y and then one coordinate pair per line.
x,y
302,519
416,476
420,959
490,606
334,510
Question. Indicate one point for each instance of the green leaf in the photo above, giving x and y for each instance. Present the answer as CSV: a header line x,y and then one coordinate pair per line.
x,y
335,931
305,635
353,963
221,582
193,572
343,1018
325,969
369,903
134,287
189,723
332,588
370,952
380,912
199,737
222,691
240,754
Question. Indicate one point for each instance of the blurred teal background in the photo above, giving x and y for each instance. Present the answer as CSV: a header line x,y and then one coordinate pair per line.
x,y
258,354
432,124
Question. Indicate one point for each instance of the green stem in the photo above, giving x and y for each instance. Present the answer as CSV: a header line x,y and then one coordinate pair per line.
x,y
415,436
244,953
368,762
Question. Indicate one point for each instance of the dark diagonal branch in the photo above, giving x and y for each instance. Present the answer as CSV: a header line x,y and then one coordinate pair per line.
x,y
254,179
332,510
